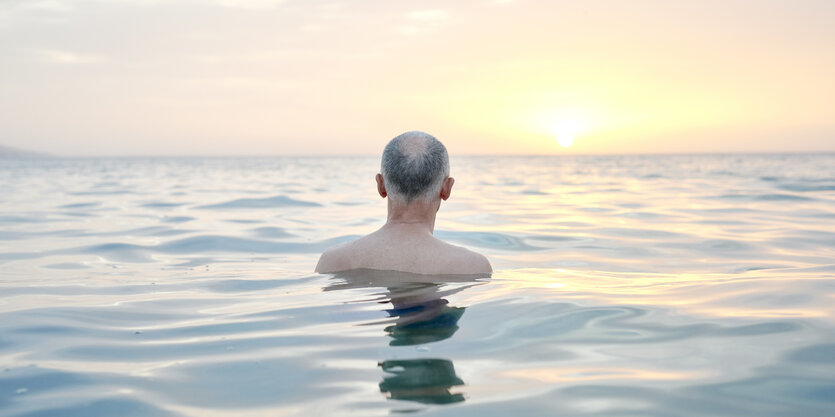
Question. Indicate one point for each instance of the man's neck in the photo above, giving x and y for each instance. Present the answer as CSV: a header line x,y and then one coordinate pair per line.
x,y
417,215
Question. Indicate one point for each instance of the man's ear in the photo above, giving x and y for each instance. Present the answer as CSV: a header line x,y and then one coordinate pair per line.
x,y
446,187
381,186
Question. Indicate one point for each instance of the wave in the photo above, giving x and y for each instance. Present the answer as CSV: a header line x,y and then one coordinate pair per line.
x,y
492,240
32,218
270,232
823,354
160,205
79,205
206,244
177,219
764,197
806,188
268,202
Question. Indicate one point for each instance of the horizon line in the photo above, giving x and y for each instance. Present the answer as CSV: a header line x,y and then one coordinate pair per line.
x,y
38,155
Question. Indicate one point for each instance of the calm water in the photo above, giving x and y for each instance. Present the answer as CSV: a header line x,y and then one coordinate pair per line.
x,y
624,286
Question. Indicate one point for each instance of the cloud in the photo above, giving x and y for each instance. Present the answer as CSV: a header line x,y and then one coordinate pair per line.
x,y
35,10
251,4
408,30
434,15
423,21
53,56
46,6
314,28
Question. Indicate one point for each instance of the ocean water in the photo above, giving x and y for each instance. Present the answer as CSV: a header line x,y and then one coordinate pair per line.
x,y
623,286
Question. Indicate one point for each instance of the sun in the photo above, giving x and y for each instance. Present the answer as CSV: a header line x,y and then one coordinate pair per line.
x,y
565,140
566,130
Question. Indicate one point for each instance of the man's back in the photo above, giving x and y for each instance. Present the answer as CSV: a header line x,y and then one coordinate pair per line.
x,y
414,179
400,249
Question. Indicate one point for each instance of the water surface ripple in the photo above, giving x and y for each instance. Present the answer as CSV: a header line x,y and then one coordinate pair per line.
x,y
641,285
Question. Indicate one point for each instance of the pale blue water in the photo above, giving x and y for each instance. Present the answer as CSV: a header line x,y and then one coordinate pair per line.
x,y
624,286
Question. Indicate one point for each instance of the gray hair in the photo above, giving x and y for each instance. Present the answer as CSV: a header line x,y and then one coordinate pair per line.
x,y
414,166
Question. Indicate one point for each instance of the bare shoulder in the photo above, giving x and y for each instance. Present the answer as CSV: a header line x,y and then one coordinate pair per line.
x,y
336,258
348,255
422,256
461,260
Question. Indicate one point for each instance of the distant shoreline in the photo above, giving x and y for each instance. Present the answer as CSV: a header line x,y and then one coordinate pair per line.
x,y
13,153
8,152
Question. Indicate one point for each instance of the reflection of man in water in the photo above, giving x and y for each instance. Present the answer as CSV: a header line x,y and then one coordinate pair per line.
x,y
415,178
420,314
419,310
421,318
426,381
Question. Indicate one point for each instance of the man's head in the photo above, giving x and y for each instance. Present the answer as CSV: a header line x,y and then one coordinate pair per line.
x,y
415,166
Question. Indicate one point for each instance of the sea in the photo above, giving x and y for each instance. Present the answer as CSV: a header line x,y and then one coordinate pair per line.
x,y
642,285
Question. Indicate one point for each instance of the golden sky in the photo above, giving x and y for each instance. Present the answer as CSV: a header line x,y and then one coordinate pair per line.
x,y
255,77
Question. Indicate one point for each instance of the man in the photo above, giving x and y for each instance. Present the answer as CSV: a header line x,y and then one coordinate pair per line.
x,y
415,178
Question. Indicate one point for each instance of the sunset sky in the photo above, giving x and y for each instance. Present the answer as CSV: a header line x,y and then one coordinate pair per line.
x,y
256,77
